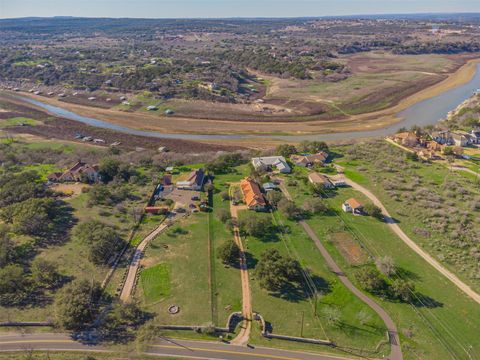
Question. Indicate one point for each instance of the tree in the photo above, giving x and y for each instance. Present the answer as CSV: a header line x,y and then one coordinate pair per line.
x,y
225,195
77,304
276,272
403,290
223,215
13,284
412,156
7,247
290,209
108,169
285,150
385,265
32,217
448,151
229,252
255,225
373,210
103,240
44,272
371,280
313,146
274,197
315,206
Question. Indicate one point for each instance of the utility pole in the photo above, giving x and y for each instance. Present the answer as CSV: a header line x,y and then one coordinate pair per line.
x,y
301,329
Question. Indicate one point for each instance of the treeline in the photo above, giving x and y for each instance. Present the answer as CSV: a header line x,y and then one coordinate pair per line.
x,y
437,48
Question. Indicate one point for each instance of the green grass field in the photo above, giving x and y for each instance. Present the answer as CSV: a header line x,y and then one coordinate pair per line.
x,y
18,121
156,282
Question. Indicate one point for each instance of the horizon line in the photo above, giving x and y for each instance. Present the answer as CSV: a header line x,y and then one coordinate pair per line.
x,y
243,17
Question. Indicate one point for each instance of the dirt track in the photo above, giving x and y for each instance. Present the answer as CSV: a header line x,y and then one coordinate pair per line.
x,y
244,334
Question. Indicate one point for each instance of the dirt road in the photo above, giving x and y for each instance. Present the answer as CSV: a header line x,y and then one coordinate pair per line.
x,y
427,257
395,349
244,334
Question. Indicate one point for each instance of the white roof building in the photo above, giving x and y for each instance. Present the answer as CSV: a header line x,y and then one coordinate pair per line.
x,y
269,162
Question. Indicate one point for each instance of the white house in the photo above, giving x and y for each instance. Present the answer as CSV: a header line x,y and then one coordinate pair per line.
x,y
352,206
269,162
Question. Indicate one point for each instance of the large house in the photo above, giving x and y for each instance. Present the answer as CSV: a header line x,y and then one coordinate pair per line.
x,y
252,195
309,159
353,206
268,163
475,136
79,172
409,139
194,181
320,180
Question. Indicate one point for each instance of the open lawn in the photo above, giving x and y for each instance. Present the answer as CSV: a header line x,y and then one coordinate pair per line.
x,y
155,282
442,322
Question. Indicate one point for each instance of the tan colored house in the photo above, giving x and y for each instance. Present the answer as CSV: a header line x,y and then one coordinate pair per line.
x,y
310,159
408,139
79,172
320,180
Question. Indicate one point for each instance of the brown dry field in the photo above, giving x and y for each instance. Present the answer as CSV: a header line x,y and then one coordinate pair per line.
x,y
297,126
349,249
70,190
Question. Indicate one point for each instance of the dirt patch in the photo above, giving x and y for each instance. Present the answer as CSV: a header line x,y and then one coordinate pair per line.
x,y
350,250
65,129
70,190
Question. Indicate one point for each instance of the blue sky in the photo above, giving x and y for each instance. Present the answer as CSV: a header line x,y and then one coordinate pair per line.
x,y
226,8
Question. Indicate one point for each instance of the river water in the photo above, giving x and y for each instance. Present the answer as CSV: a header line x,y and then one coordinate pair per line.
x,y
426,112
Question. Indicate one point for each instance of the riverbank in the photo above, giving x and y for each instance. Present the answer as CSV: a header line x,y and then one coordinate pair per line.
x,y
363,125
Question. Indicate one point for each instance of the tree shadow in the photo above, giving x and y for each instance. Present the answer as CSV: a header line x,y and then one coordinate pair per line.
x,y
406,274
425,301
297,291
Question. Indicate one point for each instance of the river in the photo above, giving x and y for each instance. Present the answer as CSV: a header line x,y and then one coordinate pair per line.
x,y
426,112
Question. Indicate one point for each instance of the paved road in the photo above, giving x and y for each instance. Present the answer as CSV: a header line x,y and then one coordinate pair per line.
x,y
164,347
396,351
244,334
426,256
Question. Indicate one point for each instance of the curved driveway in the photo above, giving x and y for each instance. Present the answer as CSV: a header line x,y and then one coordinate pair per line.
x,y
164,347
426,256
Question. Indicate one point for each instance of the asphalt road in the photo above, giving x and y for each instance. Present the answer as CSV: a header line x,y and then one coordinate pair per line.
x,y
164,347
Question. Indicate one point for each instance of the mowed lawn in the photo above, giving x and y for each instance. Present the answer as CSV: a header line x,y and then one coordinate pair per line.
x,y
444,324
285,313
155,282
